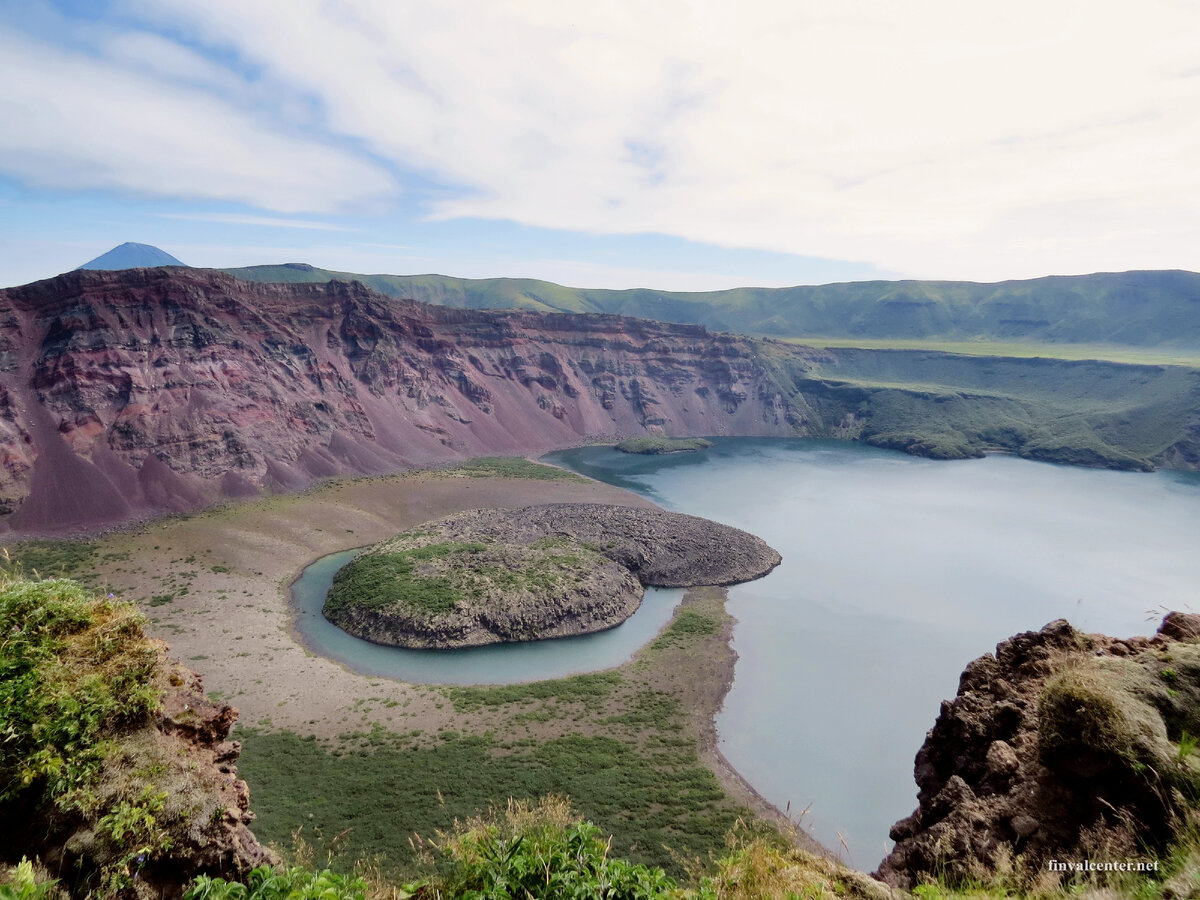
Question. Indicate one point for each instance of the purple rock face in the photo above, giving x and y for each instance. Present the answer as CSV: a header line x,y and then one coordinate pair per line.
x,y
130,393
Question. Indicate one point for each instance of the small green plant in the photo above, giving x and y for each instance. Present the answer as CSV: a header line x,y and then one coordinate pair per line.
x,y
538,852
688,624
1187,746
132,828
294,883
21,883
132,821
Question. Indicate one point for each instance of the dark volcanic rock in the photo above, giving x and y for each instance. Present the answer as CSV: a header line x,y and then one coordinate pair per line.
x,y
504,575
663,549
1061,746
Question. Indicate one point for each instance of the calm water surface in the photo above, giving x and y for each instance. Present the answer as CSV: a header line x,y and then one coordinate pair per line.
x,y
896,572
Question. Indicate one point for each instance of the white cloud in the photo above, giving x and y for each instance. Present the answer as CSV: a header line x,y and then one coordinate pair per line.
x,y
165,59
255,221
937,138
73,121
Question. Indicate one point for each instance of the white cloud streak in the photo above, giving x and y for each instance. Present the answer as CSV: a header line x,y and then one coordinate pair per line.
x,y
255,221
74,121
936,138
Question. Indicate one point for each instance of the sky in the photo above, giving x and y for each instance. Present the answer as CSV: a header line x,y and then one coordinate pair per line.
x,y
674,144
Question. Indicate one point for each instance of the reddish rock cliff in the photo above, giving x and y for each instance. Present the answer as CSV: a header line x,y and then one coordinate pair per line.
x,y
152,390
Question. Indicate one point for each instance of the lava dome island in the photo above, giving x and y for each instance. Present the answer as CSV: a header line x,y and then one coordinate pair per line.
x,y
489,576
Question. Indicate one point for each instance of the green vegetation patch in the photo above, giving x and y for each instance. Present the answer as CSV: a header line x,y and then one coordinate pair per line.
x,y
52,559
419,573
73,669
688,625
385,579
651,709
655,444
591,687
1124,715
511,467
282,883
390,787
541,851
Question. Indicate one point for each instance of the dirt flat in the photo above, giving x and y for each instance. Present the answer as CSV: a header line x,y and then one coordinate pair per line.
x,y
216,587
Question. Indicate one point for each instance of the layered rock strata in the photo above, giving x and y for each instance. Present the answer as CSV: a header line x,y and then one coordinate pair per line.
x,y
162,390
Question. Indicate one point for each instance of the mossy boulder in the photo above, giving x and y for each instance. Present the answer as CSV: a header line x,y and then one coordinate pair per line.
x,y
1093,717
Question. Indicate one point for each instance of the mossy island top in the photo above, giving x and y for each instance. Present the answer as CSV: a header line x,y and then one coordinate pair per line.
x,y
654,445
489,576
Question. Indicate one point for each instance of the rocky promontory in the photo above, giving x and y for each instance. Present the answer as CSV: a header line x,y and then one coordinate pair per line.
x,y
117,777
1061,748
491,576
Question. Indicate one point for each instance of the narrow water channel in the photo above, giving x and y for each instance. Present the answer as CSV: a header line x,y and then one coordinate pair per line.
x,y
495,664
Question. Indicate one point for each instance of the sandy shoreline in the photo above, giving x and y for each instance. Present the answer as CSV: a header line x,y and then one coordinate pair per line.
x,y
217,588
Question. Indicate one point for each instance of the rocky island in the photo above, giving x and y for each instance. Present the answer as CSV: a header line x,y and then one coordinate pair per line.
x,y
490,576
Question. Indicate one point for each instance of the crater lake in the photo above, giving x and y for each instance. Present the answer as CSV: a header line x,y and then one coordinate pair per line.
x,y
897,571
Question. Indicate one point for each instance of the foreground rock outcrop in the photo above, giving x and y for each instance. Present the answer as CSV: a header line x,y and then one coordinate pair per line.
x,y
502,575
116,772
205,813
1062,746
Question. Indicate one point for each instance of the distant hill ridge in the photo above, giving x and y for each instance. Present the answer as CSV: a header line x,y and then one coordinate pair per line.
x,y
1140,309
132,256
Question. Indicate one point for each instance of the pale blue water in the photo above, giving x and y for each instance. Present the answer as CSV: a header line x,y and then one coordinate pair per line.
x,y
896,572
497,664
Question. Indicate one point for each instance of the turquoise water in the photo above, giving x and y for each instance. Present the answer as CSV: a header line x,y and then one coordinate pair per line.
x,y
896,572
496,664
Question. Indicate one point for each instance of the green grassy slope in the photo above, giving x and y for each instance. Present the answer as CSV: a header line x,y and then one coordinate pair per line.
x,y
951,406
1140,309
